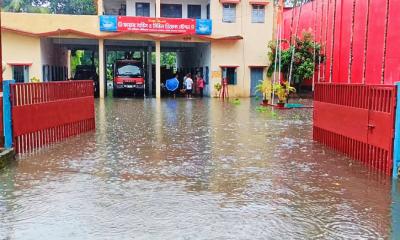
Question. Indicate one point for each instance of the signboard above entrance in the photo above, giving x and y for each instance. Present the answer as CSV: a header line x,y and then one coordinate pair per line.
x,y
155,25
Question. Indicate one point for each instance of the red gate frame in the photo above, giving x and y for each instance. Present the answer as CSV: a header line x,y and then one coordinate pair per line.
x,y
357,120
44,113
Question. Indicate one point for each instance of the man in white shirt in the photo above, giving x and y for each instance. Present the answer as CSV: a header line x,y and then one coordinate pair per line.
x,y
189,85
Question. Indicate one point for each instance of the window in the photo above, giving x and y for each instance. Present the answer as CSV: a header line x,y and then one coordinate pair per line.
x,y
171,10
20,74
229,13
129,71
230,74
143,9
208,11
122,10
194,11
45,72
258,14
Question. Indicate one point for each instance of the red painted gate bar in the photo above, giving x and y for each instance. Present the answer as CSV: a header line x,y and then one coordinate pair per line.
x,y
357,120
44,113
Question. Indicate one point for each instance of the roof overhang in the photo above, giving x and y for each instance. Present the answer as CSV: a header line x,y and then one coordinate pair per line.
x,y
228,66
19,63
260,2
230,1
75,33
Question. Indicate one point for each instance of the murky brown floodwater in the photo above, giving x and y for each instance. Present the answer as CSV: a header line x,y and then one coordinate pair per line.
x,y
194,169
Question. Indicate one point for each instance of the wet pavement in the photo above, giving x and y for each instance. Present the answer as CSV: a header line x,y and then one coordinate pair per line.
x,y
195,169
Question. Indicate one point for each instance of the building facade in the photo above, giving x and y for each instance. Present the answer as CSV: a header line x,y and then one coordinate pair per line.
x,y
228,39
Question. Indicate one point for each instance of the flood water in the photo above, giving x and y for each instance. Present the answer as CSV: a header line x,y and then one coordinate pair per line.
x,y
195,169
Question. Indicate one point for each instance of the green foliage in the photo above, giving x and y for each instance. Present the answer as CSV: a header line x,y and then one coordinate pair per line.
x,y
262,109
292,3
111,57
167,59
236,101
218,87
76,60
303,60
35,80
283,90
76,7
265,88
82,57
266,110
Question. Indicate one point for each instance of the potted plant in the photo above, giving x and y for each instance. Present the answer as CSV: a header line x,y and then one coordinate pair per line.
x,y
35,80
282,91
218,88
265,88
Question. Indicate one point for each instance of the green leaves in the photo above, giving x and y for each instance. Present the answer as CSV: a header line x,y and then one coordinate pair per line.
x,y
76,7
304,61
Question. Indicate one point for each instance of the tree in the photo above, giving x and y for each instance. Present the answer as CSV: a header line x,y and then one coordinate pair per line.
x,y
76,7
293,3
303,59
167,59
15,5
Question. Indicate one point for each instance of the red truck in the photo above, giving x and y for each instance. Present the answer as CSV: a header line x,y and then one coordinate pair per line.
x,y
128,76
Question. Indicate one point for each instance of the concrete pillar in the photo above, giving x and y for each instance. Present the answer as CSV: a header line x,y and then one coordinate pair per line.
x,y
149,71
158,8
69,68
100,7
158,69
101,68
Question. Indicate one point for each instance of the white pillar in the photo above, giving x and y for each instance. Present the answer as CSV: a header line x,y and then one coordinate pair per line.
x,y
69,65
158,8
101,68
158,69
158,55
100,7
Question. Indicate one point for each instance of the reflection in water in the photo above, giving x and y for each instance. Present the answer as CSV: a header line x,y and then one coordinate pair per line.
x,y
194,169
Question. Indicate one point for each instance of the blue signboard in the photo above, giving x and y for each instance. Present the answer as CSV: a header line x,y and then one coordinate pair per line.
x,y
203,26
108,23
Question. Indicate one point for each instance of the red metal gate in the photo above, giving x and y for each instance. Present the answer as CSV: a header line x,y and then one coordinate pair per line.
x,y
357,120
44,113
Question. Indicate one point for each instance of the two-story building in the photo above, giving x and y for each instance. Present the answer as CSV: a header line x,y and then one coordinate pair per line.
x,y
225,38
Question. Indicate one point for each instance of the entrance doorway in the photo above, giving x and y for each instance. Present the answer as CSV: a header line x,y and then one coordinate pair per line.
x,y
256,77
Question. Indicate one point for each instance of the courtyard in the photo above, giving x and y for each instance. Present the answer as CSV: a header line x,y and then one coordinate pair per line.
x,y
194,169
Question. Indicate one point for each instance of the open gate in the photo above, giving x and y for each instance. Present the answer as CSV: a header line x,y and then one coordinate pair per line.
x,y
44,113
357,120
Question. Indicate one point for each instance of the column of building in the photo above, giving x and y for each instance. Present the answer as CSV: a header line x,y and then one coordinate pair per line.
x,y
158,55
100,10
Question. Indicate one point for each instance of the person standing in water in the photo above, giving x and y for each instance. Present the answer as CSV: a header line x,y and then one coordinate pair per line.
x,y
200,84
189,85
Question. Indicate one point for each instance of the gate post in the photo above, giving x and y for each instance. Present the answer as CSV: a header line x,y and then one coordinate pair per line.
x,y
8,138
396,153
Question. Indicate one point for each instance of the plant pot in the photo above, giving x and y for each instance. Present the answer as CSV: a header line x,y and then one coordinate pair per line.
x,y
280,104
265,102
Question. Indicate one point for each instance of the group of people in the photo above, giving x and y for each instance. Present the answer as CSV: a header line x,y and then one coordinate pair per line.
x,y
191,86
